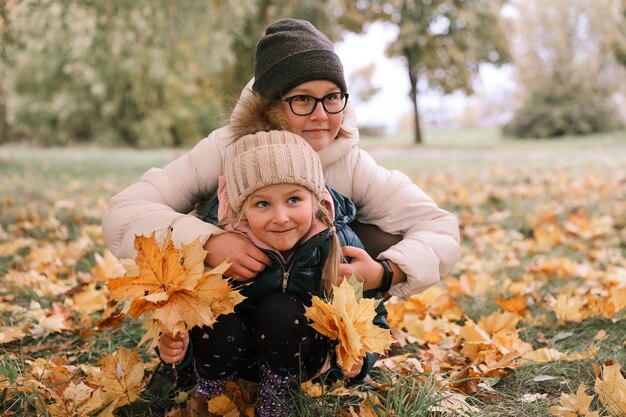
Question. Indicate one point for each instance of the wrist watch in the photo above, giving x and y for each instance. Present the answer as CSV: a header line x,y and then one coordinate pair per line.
x,y
385,283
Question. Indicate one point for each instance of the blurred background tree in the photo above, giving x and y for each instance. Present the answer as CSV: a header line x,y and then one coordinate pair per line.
x,y
565,66
5,39
137,73
442,41
619,34
149,73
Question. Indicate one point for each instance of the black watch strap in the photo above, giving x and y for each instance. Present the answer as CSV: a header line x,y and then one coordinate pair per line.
x,y
385,283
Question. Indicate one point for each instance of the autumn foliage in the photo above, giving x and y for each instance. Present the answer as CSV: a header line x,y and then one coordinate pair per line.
x,y
347,319
542,263
172,289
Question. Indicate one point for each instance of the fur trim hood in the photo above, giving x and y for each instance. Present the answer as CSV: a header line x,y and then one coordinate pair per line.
x,y
254,113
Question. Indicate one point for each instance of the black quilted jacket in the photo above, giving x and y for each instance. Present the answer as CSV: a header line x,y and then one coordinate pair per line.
x,y
302,274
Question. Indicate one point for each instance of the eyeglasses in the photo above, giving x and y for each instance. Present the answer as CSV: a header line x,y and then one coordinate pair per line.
x,y
303,105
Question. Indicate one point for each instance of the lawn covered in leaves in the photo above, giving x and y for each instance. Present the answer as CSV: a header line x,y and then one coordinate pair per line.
x,y
531,322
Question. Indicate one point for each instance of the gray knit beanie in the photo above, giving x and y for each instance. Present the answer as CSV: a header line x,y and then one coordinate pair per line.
x,y
270,158
293,52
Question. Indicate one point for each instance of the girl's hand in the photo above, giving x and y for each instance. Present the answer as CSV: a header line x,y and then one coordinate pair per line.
x,y
172,348
247,260
366,269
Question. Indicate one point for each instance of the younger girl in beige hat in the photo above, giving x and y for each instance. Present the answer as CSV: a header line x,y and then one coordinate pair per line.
x,y
273,193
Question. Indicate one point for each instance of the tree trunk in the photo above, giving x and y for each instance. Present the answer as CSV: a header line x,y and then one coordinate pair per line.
x,y
413,77
4,126
416,114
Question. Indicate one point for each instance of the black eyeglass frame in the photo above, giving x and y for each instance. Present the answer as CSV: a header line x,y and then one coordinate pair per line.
x,y
344,96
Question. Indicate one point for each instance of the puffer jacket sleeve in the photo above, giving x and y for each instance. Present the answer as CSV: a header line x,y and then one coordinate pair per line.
x,y
164,197
390,200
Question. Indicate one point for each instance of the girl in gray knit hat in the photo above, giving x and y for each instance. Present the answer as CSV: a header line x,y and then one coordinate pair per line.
x,y
299,85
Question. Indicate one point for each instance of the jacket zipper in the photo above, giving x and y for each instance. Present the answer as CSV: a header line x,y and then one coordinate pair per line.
x,y
291,263
285,279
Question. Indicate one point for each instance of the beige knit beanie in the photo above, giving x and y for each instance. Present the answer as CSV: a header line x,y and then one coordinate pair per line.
x,y
270,158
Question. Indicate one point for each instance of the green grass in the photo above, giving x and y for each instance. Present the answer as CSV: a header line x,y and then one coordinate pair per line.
x,y
490,138
38,183
472,151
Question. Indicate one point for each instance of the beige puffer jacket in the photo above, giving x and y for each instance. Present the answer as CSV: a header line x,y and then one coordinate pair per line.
x,y
166,196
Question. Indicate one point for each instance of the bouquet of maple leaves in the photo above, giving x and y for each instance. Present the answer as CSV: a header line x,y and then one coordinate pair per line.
x,y
175,293
348,318
172,288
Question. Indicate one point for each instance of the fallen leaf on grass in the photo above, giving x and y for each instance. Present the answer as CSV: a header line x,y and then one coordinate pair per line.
x,y
569,308
611,387
573,405
223,406
119,378
531,398
9,334
545,355
466,380
77,400
515,304
235,402
90,299
107,267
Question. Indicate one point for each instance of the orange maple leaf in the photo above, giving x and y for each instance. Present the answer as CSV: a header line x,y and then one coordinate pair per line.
x,y
160,270
119,378
348,319
78,399
573,405
211,297
223,406
569,308
172,289
515,304
611,388
232,403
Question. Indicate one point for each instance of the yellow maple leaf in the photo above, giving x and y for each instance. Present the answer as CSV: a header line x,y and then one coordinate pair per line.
x,y
471,283
90,299
569,308
350,323
515,304
574,405
434,301
160,268
473,334
172,289
543,355
498,322
107,267
211,297
223,406
55,321
77,400
119,378
611,388
395,314
11,333
428,330
235,402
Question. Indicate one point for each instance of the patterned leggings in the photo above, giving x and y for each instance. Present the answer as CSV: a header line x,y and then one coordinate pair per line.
x,y
278,336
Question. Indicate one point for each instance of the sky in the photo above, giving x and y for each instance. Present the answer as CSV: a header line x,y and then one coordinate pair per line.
x,y
393,102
